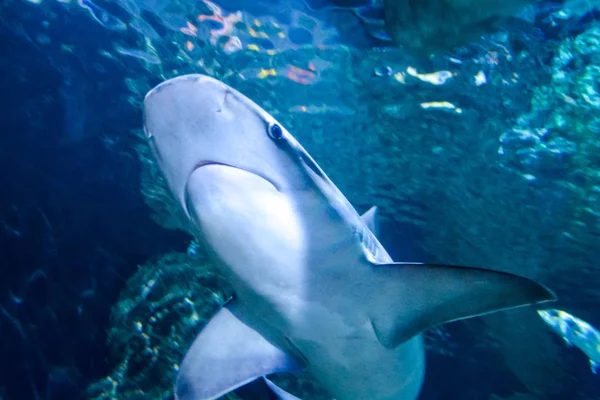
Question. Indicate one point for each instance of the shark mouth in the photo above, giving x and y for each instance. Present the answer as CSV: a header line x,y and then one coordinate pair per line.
x,y
186,200
251,171
208,162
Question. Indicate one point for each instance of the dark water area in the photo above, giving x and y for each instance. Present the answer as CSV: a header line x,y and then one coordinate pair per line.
x,y
74,225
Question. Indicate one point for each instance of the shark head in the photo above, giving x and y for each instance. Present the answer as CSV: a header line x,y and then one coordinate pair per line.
x,y
231,166
195,121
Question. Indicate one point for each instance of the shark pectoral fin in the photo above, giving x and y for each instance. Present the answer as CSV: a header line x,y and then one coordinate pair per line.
x,y
279,392
370,220
225,355
417,296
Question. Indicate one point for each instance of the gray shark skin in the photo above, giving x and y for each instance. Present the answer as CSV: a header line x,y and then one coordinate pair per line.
x,y
314,288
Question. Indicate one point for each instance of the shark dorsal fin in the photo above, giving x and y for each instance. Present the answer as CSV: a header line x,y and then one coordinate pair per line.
x,y
370,219
415,297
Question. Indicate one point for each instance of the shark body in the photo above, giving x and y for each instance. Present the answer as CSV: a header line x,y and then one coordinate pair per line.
x,y
314,288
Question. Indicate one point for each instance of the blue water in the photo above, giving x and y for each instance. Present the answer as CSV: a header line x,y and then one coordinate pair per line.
x,y
462,170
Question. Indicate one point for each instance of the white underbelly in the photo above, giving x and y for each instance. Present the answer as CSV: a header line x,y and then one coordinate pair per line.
x,y
343,353
358,367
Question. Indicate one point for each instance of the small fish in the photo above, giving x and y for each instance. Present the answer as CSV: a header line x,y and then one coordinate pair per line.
x,y
442,105
139,54
435,78
102,16
291,72
189,30
227,22
575,332
266,72
480,78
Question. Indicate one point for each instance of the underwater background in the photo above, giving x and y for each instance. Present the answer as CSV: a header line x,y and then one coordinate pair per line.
x,y
484,154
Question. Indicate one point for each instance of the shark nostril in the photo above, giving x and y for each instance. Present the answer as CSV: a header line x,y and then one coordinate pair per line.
x,y
224,102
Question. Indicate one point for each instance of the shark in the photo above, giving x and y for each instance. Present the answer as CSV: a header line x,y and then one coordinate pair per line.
x,y
314,289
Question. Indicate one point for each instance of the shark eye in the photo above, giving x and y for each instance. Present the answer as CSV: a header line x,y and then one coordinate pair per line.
x,y
275,131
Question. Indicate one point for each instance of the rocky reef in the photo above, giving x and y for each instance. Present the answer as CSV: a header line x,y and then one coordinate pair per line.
x,y
157,316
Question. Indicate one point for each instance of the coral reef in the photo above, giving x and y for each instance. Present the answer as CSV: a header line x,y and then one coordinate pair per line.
x,y
157,316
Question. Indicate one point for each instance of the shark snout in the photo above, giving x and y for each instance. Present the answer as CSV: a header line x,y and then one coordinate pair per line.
x,y
191,80
188,95
224,101
188,103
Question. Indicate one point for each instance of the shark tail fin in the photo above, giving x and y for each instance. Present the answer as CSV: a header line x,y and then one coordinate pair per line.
x,y
421,296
